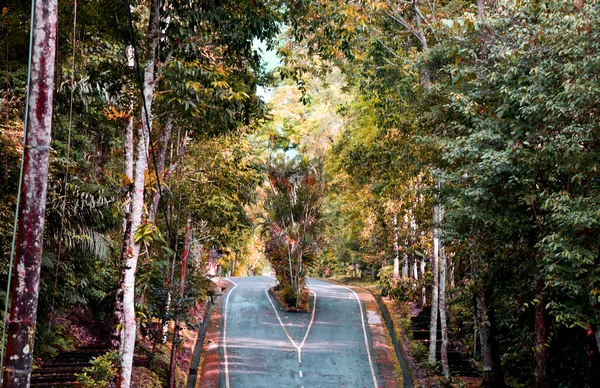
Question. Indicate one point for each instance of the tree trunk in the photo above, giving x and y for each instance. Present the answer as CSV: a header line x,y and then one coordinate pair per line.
x,y
21,322
415,269
425,76
186,250
137,204
118,329
117,334
492,372
397,251
442,306
424,288
434,287
166,176
160,167
541,340
128,142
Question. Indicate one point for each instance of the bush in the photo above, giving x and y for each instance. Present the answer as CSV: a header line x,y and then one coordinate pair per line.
x,y
289,296
419,351
144,377
102,372
53,339
401,289
159,362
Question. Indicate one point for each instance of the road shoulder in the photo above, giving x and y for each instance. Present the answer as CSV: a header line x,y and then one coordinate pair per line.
x,y
210,361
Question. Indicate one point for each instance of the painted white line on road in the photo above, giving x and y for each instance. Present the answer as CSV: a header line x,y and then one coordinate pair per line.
x,y
362,320
225,361
312,318
300,373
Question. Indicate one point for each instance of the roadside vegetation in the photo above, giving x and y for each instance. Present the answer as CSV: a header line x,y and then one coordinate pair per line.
x,y
442,153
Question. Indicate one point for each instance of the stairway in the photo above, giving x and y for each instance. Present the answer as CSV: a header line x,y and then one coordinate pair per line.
x,y
61,371
458,362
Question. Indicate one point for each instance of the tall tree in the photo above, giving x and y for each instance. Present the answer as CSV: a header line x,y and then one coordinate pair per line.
x,y
32,202
131,243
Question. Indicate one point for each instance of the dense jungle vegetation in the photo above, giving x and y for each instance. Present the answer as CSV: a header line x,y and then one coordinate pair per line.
x,y
448,150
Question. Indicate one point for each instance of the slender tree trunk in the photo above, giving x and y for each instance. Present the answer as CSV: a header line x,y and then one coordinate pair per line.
x,y
451,273
166,176
597,336
128,143
21,322
396,250
165,328
492,371
160,167
442,306
137,204
415,268
541,340
117,333
186,250
442,296
435,286
424,288
118,322
425,76
132,253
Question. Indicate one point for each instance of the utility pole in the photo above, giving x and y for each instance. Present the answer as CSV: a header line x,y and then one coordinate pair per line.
x,y
21,323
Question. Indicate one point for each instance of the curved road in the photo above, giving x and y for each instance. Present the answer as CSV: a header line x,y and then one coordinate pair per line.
x,y
264,346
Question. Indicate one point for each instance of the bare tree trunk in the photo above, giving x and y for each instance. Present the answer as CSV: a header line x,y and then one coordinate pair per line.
x,y
160,167
118,332
424,288
137,204
166,177
434,288
425,76
451,272
442,306
415,269
397,251
165,328
541,340
186,250
118,329
492,372
21,322
128,143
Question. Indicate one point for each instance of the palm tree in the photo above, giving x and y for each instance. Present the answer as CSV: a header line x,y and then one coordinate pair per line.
x,y
293,220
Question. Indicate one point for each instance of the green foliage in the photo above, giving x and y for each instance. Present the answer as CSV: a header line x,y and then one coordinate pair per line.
x,y
159,362
53,338
289,295
293,219
506,124
419,351
401,289
102,372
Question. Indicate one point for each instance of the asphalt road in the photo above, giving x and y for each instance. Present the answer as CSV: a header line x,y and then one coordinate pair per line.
x,y
264,346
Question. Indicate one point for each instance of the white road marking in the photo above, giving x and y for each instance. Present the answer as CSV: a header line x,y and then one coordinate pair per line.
x,y
362,320
312,318
300,373
225,333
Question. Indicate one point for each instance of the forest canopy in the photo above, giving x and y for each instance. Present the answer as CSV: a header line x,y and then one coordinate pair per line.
x,y
445,151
